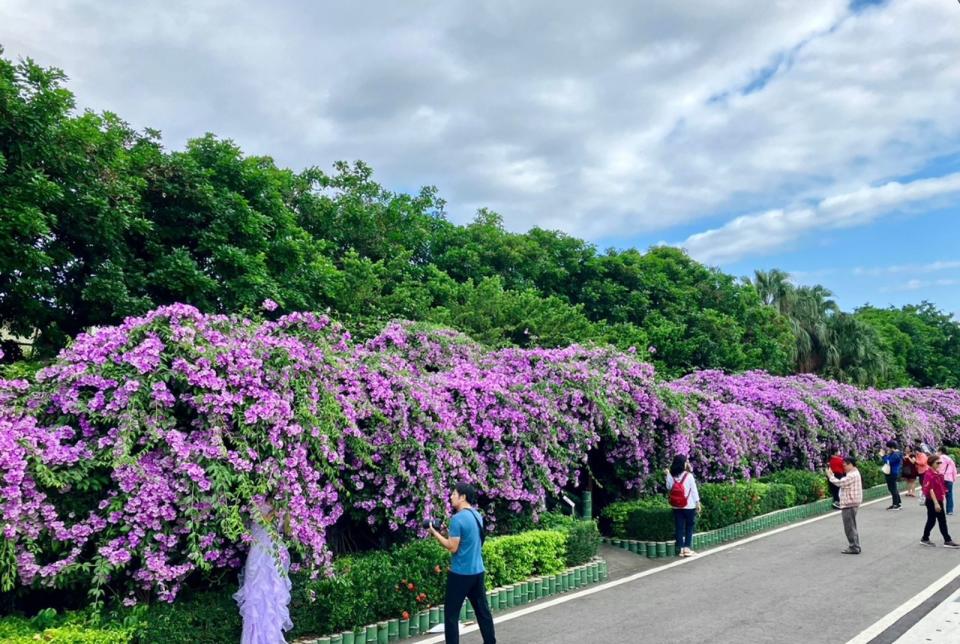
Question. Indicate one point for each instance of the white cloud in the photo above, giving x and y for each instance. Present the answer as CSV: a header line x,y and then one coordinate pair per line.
x,y
919,284
931,267
605,121
766,232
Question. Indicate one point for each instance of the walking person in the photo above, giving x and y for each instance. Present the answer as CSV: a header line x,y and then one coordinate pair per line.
x,y
465,580
838,471
685,501
909,470
949,470
851,496
934,493
892,462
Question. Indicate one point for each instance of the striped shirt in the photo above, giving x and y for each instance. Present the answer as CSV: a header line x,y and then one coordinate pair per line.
x,y
851,490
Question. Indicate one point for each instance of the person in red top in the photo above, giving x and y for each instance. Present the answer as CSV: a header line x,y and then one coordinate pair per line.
x,y
934,494
838,471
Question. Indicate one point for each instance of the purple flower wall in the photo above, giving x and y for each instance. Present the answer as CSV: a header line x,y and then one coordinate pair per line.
x,y
140,456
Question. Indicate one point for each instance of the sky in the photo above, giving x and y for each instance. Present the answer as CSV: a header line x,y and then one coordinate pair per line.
x,y
821,137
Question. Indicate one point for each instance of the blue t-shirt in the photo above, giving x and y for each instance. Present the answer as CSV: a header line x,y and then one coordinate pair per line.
x,y
468,559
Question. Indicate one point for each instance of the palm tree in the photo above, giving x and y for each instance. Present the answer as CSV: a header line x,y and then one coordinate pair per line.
x,y
774,288
856,354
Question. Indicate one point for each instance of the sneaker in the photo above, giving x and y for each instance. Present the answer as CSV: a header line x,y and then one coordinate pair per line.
x,y
850,551
950,544
836,505
927,542
897,507
691,553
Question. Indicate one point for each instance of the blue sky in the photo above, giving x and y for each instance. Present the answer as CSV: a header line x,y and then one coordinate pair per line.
x,y
816,136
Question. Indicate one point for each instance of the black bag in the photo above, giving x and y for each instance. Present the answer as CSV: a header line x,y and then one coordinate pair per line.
x,y
483,533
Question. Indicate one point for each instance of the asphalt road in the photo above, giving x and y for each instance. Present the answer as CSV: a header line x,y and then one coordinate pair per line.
x,y
793,586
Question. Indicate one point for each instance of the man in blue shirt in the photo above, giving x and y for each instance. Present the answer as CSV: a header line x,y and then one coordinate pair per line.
x,y
465,580
894,459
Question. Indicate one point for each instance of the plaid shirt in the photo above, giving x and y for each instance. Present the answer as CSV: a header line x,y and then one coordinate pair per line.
x,y
851,490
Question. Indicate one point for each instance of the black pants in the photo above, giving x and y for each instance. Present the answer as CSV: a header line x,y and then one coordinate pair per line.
x,y
892,486
835,490
936,517
683,522
460,587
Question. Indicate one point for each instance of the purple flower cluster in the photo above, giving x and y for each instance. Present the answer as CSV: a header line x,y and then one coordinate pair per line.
x,y
147,449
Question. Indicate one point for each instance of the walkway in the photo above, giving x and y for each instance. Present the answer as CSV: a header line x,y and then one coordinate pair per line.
x,y
792,585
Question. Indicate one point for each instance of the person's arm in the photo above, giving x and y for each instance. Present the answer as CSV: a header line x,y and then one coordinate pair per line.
x,y
694,494
933,497
452,542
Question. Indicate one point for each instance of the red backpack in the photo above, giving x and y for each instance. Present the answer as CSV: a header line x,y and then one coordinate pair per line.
x,y
678,493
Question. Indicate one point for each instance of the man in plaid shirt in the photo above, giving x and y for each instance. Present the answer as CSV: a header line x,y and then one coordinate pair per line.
x,y
851,496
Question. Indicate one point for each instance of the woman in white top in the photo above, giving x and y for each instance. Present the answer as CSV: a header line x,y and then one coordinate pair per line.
x,y
685,501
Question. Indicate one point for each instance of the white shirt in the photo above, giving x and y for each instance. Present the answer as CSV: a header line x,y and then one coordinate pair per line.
x,y
690,486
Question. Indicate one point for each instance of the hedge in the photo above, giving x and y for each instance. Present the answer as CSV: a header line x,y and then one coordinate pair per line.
x,y
870,474
367,588
54,628
723,504
583,536
810,486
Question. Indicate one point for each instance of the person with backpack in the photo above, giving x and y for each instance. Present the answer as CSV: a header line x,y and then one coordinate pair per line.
x,y
685,501
851,496
465,579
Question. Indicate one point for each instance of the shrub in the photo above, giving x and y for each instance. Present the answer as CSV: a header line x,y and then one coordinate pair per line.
x,y
205,617
583,536
728,503
512,558
954,453
777,497
870,474
367,587
69,628
650,520
810,486
615,515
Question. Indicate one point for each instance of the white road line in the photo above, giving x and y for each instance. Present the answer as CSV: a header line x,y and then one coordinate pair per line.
x,y
639,575
942,624
889,620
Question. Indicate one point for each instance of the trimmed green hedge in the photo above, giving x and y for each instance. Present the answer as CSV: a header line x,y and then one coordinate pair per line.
x,y
583,536
61,629
650,516
514,558
366,588
810,486
870,474
723,504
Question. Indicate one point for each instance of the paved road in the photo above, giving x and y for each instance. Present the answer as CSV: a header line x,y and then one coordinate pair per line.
x,y
793,586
